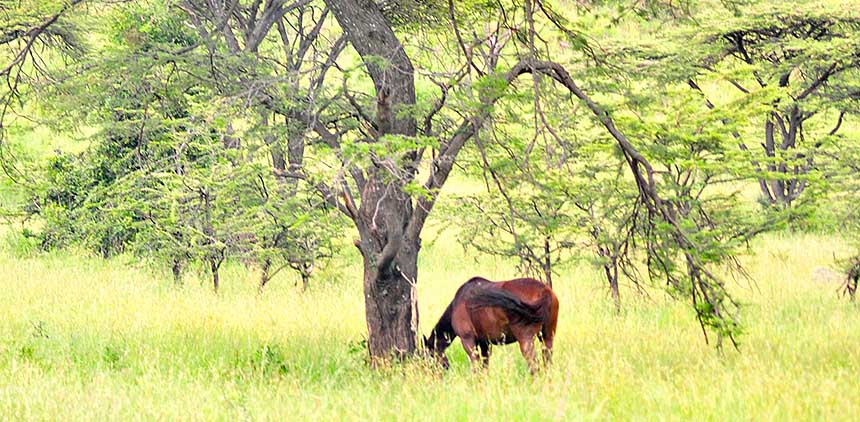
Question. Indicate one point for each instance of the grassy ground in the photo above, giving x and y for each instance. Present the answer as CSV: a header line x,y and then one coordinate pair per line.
x,y
85,339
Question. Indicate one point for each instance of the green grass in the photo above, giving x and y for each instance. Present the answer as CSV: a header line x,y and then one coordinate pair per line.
x,y
86,339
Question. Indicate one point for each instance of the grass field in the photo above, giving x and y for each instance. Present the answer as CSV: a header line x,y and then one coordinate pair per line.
x,y
86,339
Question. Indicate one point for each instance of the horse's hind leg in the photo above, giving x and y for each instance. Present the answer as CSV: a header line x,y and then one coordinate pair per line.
x,y
469,344
546,338
548,332
527,347
484,347
525,336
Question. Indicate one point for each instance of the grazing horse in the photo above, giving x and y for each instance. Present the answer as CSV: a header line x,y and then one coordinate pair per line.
x,y
484,312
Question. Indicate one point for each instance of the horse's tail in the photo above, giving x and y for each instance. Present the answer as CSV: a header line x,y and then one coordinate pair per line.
x,y
525,312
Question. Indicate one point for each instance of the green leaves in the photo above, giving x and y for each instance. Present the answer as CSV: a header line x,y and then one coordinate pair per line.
x,y
148,25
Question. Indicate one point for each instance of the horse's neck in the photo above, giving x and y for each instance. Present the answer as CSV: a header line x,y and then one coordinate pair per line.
x,y
444,330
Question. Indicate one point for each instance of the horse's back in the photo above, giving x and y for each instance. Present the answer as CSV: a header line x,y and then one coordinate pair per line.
x,y
536,293
529,290
494,323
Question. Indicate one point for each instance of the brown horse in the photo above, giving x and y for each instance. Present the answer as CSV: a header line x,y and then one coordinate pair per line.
x,y
484,312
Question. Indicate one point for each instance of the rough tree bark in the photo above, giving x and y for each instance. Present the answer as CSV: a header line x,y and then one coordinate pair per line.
x,y
390,256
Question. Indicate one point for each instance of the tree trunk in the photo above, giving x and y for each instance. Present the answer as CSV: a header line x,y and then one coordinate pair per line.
x,y
177,272
391,306
612,274
547,262
295,157
374,40
265,277
213,267
778,192
229,140
390,270
278,160
391,303
306,281
390,255
209,231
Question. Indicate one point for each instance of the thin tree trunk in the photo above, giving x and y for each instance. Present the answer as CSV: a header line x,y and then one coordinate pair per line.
x,y
547,263
177,272
209,231
783,192
213,267
229,140
278,161
295,154
612,273
264,278
774,186
306,278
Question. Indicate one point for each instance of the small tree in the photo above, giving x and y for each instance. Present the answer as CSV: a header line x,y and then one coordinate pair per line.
x,y
800,61
165,169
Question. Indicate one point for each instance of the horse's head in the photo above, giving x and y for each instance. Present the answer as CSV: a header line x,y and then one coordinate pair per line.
x,y
436,347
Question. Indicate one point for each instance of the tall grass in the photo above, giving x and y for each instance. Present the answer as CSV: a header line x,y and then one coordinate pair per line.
x,y
86,339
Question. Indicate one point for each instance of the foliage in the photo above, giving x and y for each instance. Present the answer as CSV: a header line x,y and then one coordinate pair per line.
x,y
162,178
796,68
550,197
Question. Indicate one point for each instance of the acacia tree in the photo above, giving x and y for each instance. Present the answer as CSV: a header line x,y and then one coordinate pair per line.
x,y
165,177
389,208
688,160
800,60
389,221
682,247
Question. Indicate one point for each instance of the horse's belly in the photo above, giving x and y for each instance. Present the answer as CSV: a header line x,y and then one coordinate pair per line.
x,y
492,325
501,335
503,339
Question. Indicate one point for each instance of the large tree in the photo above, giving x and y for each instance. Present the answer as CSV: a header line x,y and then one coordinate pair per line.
x,y
389,209
682,243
